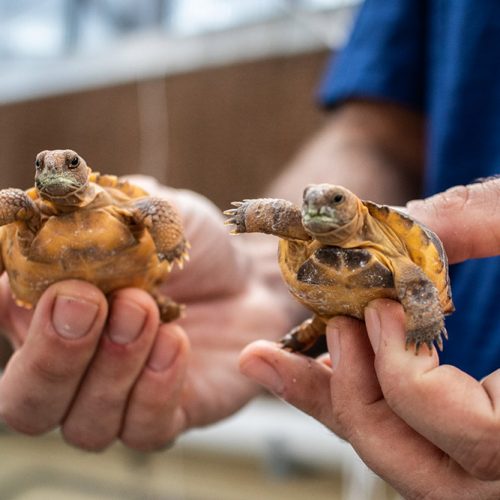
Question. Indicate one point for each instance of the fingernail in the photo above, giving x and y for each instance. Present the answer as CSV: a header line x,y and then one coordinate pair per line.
x,y
264,374
126,321
333,337
73,317
164,352
372,321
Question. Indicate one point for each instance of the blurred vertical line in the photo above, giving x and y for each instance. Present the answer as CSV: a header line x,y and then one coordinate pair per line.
x,y
72,16
3,30
153,125
305,23
164,10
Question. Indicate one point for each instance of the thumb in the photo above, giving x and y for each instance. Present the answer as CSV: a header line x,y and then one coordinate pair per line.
x,y
466,218
297,379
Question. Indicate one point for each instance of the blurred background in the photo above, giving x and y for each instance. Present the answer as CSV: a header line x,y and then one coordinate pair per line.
x,y
179,89
210,95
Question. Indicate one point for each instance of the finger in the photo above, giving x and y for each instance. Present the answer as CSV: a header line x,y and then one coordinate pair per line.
x,y
491,385
384,441
41,377
302,381
95,417
154,414
466,218
14,320
311,385
352,361
445,405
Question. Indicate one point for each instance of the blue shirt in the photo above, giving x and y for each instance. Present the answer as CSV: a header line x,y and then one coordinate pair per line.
x,y
442,58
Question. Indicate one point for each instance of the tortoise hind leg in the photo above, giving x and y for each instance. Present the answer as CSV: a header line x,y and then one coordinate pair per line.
x,y
304,336
168,308
165,227
420,300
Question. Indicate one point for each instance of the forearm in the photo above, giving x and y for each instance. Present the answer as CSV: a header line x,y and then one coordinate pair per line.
x,y
375,149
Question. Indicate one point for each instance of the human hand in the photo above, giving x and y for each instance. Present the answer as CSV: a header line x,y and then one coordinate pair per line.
x,y
429,430
105,372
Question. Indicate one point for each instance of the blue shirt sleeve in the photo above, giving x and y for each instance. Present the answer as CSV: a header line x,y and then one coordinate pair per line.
x,y
384,57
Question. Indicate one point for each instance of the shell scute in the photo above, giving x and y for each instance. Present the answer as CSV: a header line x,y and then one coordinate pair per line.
x,y
424,248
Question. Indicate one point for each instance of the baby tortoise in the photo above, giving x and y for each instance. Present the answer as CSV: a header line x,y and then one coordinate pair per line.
x,y
78,224
338,253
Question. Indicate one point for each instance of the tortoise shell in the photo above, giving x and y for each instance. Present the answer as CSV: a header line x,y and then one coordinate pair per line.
x,y
333,280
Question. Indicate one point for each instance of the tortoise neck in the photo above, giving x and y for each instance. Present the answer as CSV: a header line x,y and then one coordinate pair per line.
x,y
73,201
348,232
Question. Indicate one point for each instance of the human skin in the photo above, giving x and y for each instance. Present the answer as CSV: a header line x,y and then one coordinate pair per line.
x,y
430,430
106,370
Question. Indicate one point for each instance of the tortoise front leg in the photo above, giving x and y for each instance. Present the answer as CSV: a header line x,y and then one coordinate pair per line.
x,y
267,215
420,300
17,206
304,336
165,226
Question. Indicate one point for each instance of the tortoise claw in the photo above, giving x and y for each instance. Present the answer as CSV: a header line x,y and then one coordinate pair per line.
x,y
230,221
444,333
439,342
427,336
291,343
236,217
230,211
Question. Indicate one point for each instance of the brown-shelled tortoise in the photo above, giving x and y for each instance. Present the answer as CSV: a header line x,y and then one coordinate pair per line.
x,y
78,224
338,253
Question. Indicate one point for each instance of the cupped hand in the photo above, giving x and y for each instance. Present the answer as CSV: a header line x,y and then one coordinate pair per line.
x,y
104,369
431,431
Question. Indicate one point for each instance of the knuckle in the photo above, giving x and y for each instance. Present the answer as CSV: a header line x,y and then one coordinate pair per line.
x,y
107,406
487,468
53,372
154,433
399,391
453,198
484,455
143,443
27,413
86,440
342,421
19,423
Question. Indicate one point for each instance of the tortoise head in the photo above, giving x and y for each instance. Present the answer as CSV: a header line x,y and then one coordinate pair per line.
x,y
330,213
61,176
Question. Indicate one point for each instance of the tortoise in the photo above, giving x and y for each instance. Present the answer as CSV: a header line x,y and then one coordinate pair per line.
x,y
338,253
79,224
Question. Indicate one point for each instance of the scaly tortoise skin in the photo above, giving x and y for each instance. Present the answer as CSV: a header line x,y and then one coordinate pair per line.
x,y
338,253
78,224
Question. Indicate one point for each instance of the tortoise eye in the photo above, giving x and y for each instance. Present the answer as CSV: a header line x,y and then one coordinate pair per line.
x,y
74,162
338,198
